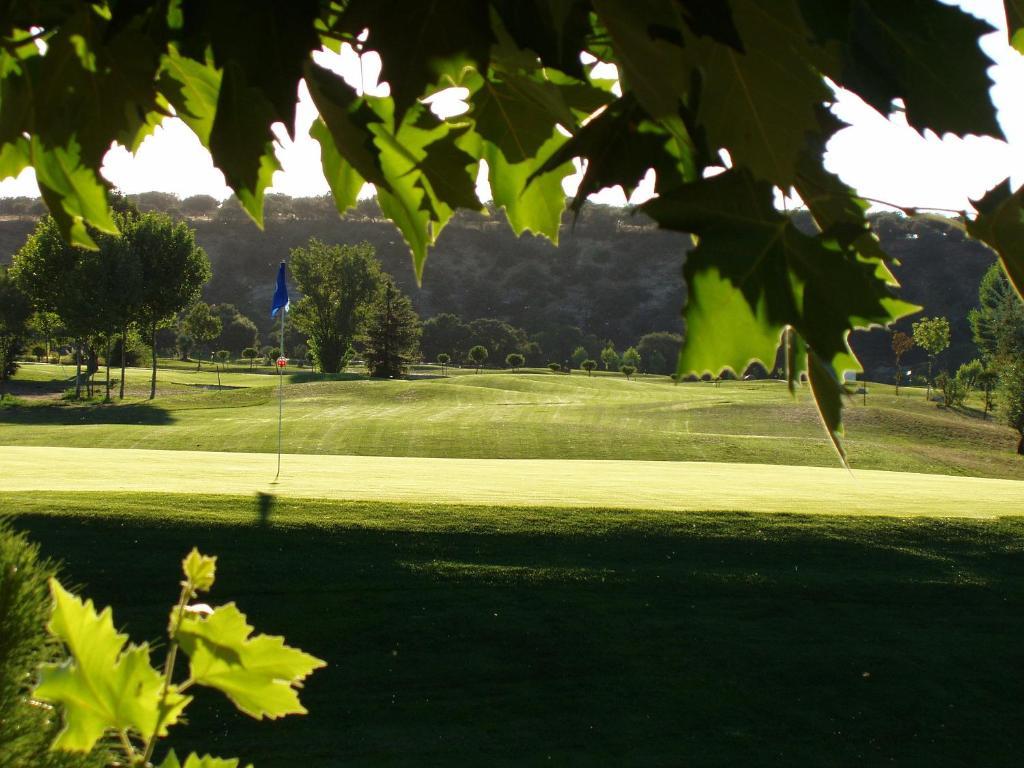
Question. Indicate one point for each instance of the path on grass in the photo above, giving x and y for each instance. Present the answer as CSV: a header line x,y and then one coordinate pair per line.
x,y
512,482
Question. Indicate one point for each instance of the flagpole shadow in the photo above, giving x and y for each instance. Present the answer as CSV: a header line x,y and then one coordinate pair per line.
x,y
264,507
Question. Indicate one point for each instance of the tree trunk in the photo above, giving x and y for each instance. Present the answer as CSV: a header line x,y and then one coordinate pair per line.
x,y
78,369
124,355
152,348
1020,445
106,395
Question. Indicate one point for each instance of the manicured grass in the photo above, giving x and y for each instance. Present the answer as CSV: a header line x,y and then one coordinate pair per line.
x,y
525,416
630,485
518,636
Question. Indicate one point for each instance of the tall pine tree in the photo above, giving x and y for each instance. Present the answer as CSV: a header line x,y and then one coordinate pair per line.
x,y
392,333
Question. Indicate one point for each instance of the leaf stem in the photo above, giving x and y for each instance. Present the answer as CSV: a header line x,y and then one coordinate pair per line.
x,y
172,653
912,209
129,749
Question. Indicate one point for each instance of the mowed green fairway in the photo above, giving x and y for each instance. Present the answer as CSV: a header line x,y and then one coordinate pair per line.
x,y
505,636
538,569
627,485
522,416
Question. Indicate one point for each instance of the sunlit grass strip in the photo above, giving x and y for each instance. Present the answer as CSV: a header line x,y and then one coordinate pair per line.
x,y
657,485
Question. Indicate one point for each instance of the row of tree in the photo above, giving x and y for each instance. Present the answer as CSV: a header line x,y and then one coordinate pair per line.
x,y
348,301
137,281
997,328
450,335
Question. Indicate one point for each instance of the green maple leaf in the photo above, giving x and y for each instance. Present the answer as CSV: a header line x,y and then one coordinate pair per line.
x,y
421,44
451,172
258,674
759,103
348,119
835,207
200,570
920,51
72,190
268,46
344,181
195,761
646,37
102,685
14,158
555,31
192,87
512,118
619,145
1000,224
828,389
536,205
411,201
241,140
753,273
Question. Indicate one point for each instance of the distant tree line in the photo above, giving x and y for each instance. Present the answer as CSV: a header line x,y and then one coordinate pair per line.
x,y
101,301
449,335
612,275
997,374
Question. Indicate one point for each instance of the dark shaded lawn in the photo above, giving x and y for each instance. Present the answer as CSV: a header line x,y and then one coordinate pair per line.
x,y
478,636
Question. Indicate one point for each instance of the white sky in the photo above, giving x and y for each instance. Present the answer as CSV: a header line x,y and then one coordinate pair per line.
x,y
881,158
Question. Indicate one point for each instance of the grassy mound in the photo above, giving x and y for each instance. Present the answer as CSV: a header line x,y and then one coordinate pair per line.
x,y
526,416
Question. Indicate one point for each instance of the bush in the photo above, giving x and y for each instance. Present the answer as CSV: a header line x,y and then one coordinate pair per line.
x,y
953,390
26,730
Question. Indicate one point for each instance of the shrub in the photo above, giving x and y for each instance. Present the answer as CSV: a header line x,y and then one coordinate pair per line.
x,y
628,370
953,390
26,730
554,367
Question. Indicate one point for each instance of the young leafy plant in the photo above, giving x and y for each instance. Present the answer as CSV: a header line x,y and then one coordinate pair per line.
x,y
108,687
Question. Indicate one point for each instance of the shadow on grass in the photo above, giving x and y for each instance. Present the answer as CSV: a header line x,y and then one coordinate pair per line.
x,y
92,413
711,640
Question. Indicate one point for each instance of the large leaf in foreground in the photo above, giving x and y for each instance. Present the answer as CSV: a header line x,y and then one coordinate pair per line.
x,y
103,685
258,674
1000,224
754,272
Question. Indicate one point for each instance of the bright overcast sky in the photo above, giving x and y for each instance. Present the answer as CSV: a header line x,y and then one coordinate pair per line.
x,y
881,158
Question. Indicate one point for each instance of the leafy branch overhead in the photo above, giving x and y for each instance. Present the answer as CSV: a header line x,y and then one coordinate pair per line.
x,y
741,84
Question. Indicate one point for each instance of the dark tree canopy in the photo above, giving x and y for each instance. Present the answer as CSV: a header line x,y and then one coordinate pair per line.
x,y
392,332
745,76
337,282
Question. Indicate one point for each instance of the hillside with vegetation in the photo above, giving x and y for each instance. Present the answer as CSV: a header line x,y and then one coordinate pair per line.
x,y
612,276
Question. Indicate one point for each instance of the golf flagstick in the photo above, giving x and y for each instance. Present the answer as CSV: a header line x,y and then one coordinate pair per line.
x,y
280,399
280,304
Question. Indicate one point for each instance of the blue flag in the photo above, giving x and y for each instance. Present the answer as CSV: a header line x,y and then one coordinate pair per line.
x,y
280,293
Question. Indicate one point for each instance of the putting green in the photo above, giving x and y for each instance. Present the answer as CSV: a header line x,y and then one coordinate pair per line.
x,y
659,485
